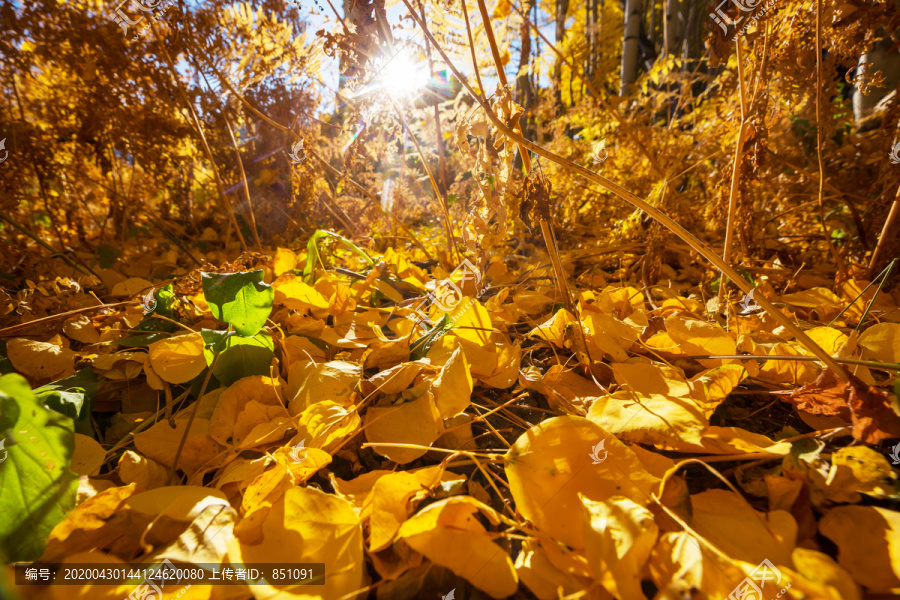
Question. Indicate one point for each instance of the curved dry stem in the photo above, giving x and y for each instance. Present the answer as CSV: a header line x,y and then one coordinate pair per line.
x,y
657,214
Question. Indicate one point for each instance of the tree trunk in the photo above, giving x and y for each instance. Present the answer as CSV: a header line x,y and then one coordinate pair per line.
x,y
590,20
562,9
524,90
630,46
673,26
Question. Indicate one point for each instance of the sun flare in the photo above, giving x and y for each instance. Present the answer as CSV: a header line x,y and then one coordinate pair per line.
x,y
403,75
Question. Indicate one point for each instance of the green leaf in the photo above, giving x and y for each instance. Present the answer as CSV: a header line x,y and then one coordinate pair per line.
x,y
215,339
242,357
73,397
419,348
37,489
240,299
164,302
312,250
143,340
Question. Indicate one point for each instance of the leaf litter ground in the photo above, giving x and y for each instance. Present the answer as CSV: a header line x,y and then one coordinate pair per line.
x,y
425,434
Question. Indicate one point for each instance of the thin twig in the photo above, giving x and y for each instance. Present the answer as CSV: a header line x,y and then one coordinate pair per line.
x,y
819,127
78,311
190,422
735,174
850,361
889,225
448,225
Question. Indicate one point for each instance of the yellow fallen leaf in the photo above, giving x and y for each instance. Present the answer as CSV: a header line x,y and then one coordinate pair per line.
x,y
696,337
793,372
732,525
358,491
816,297
680,564
131,287
856,470
452,388
818,569
310,382
393,498
448,534
828,338
555,461
120,365
232,403
291,292
609,335
249,413
308,525
88,525
868,543
619,536
88,456
543,578
653,419
711,387
553,330
81,329
326,425
472,322
394,380
199,449
622,302
730,440
178,359
147,474
283,261
40,360
300,348
417,422
881,342
646,378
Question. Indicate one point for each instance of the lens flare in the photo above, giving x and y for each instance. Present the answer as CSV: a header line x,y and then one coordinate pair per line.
x,y
403,75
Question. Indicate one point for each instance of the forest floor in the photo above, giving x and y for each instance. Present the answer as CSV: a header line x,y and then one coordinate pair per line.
x,y
427,432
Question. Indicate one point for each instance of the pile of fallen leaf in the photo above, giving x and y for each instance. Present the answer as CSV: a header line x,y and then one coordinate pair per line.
x,y
294,408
